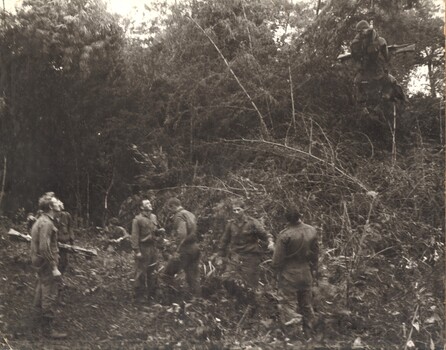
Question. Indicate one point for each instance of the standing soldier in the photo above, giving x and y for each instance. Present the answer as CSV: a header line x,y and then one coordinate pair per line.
x,y
243,242
45,258
296,261
371,55
144,230
64,223
185,250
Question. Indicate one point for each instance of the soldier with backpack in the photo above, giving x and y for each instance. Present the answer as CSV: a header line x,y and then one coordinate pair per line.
x,y
185,250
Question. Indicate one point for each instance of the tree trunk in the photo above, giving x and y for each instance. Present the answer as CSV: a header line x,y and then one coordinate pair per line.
x,y
318,7
431,79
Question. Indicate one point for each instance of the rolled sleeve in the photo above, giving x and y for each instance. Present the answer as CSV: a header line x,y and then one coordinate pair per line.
x,y
279,254
45,249
135,235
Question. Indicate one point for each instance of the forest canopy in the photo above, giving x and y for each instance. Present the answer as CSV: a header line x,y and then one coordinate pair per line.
x,y
96,107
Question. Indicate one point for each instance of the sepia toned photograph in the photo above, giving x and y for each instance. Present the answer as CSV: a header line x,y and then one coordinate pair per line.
x,y
222,174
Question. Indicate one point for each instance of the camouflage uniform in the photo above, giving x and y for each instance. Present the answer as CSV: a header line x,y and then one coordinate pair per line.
x,y
144,227
64,223
370,53
244,242
44,258
187,255
296,261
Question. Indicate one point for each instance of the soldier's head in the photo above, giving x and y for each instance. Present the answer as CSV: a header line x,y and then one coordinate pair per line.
x,y
363,28
48,202
292,215
62,207
146,205
238,207
114,221
173,204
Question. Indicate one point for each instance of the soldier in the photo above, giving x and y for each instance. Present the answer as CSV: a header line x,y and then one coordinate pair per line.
x,y
64,223
185,251
296,261
145,228
243,242
114,231
45,258
370,53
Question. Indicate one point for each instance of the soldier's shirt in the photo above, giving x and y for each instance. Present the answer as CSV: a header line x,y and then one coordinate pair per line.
x,y
296,254
144,226
245,237
44,249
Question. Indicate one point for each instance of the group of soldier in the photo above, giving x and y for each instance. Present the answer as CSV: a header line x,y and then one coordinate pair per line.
x,y
244,241
242,245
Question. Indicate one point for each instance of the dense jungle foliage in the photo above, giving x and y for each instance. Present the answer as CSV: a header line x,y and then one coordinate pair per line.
x,y
210,100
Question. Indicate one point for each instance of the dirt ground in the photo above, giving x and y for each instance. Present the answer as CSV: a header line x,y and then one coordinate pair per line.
x,y
386,304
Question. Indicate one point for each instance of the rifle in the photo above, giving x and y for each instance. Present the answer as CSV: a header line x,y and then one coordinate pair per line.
x,y
67,247
393,49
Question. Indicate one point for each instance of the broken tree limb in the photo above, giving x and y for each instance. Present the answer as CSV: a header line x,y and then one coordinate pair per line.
x,y
70,248
393,49
295,150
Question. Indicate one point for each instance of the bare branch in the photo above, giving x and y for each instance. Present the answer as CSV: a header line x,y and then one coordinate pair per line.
x,y
309,155
263,127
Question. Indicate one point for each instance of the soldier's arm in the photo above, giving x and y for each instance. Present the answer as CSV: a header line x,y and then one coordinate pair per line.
x,y
70,227
46,232
314,256
155,220
262,233
356,49
225,240
279,254
124,232
384,49
180,227
135,235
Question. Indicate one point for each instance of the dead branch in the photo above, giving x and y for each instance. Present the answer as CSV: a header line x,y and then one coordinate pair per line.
x,y
412,327
205,188
309,155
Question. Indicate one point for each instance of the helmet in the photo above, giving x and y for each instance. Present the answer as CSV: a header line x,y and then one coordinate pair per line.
x,y
362,25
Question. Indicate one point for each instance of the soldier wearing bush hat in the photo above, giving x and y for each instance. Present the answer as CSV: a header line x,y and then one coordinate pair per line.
x,y
145,227
45,258
295,260
371,55
243,242
185,250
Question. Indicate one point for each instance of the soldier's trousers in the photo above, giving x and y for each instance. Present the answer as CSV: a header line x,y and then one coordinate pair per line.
x,y
291,297
63,261
188,260
145,266
46,291
244,268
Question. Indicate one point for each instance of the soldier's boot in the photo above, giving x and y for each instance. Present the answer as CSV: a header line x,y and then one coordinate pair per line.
x,y
48,330
308,328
